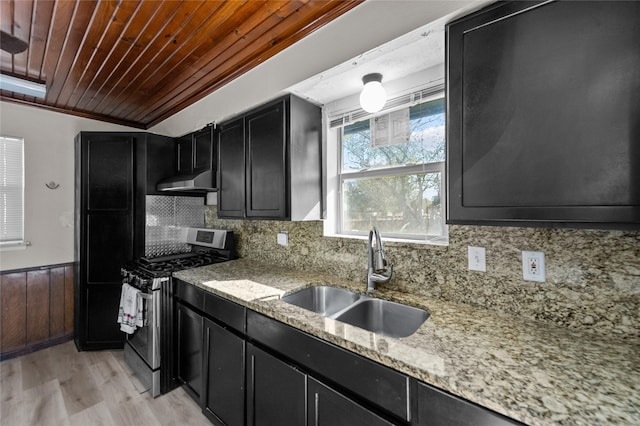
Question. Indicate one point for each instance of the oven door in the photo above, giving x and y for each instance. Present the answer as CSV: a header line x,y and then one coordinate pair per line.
x,y
146,340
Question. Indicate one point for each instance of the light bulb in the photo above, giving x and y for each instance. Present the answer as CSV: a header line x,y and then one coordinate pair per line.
x,y
373,96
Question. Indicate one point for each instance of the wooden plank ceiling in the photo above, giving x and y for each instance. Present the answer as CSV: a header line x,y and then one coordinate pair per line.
x,y
138,62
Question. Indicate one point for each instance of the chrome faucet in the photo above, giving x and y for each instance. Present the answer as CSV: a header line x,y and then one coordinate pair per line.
x,y
379,271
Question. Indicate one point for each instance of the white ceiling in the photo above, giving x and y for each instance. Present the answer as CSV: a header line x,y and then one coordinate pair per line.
x,y
416,51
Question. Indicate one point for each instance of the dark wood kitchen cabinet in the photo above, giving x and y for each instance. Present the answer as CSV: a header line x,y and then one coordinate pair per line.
x,y
114,173
327,407
194,152
270,162
438,408
184,154
193,172
155,160
189,344
519,157
224,356
276,391
385,390
255,370
104,237
231,173
210,352
266,165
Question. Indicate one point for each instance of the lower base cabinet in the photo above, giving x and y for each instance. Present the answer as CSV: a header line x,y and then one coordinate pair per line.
x,y
244,368
438,408
276,391
280,394
224,373
189,360
326,407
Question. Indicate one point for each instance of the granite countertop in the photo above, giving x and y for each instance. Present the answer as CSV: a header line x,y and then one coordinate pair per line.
x,y
536,373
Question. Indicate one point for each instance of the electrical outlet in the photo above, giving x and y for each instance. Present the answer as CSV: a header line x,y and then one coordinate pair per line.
x,y
283,238
533,268
477,259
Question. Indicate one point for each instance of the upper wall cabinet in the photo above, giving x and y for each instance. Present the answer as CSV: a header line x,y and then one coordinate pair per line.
x,y
155,160
542,126
195,151
270,162
195,168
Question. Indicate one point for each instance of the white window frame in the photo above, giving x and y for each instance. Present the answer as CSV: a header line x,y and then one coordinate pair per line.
x,y
335,178
7,172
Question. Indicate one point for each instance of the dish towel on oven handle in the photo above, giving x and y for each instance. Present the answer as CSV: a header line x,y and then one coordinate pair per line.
x,y
131,310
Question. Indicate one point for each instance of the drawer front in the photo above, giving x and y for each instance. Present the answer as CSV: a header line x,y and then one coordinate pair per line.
x,y
190,294
379,385
438,408
225,311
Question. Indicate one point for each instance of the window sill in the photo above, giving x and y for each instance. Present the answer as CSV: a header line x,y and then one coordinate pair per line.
x,y
441,241
15,246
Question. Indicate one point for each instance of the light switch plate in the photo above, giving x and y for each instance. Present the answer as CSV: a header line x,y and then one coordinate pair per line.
x,y
533,268
477,259
283,238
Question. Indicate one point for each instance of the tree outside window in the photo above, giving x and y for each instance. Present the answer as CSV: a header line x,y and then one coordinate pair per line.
x,y
394,180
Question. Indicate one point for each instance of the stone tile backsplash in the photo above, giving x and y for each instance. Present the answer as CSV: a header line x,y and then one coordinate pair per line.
x,y
593,277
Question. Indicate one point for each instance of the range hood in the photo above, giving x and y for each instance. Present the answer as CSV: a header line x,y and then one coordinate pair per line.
x,y
202,181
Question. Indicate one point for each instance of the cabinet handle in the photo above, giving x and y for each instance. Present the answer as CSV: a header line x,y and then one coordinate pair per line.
x,y
207,348
317,411
253,391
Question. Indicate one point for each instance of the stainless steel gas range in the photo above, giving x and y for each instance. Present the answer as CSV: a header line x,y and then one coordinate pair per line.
x,y
148,350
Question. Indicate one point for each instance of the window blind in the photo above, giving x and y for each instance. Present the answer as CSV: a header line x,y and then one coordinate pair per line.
x,y
345,118
11,190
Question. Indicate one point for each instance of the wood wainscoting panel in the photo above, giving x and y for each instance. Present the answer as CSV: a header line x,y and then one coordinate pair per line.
x,y
56,305
36,308
68,299
13,301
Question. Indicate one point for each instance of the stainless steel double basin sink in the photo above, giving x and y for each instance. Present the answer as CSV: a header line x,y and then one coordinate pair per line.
x,y
380,316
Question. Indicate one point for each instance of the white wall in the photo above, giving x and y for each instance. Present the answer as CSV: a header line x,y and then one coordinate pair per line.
x,y
49,156
363,28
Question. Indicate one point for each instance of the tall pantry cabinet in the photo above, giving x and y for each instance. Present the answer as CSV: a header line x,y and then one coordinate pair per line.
x,y
114,172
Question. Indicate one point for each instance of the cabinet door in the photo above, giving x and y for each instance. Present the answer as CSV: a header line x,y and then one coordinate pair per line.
x,y
184,152
159,161
109,178
189,336
224,375
266,163
327,407
231,170
437,408
203,150
276,392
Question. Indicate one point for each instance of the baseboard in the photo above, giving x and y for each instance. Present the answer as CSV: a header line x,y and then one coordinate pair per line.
x,y
35,347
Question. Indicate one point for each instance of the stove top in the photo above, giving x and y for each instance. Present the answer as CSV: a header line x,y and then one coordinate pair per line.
x,y
178,262
208,246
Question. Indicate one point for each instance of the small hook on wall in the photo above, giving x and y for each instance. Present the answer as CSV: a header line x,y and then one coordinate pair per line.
x,y
52,185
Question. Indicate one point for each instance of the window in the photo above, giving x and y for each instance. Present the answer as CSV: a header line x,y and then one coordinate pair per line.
x,y
390,174
11,191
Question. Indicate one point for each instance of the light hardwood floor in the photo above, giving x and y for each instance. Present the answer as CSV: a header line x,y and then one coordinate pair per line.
x,y
63,387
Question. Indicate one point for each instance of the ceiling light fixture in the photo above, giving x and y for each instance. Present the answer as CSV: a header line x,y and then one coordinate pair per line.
x,y
373,96
26,87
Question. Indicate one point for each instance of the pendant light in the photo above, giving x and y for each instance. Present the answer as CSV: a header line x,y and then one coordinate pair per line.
x,y
373,96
